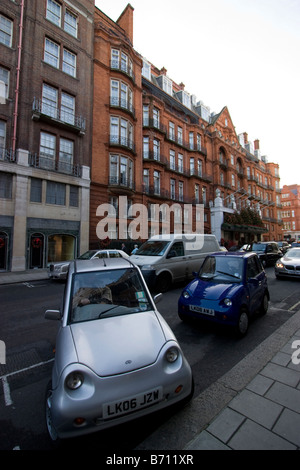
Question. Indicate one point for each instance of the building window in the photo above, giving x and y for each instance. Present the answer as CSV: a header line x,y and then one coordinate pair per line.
x,y
66,151
53,12
49,101
156,179
51,54
146,180
121,61
6,180
70,25
198,142
47,151
180,191
191,140
145,115
2,139
146,153
146,71
6,29
74,196
180,163
121,95
67,110
180,135
121,171
171,130
156,118
121,132
69,63
192,166
172,159
172,188
36,190
56,193
4,77
199,168
156,149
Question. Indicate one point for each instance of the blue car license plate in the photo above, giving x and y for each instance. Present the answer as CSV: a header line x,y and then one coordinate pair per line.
x,y
131,404
205,311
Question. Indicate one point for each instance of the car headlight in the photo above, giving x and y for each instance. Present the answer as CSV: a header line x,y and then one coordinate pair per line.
x,y
185,294
74,380
228,302
279,265
148,267
172,354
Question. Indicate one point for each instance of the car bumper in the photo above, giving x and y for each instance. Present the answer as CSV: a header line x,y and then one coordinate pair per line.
x,y
214,312
282,272
90,403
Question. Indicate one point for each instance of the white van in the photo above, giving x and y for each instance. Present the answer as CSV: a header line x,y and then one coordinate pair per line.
x,y
168,258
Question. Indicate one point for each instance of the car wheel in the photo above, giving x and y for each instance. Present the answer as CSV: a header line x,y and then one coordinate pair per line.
x,y
163,282
51,430
243,323
264,304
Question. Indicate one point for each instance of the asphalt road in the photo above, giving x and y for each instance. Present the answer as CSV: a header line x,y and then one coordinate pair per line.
x,y
30,342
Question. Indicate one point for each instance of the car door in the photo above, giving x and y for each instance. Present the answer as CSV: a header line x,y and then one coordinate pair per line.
x,y
255,283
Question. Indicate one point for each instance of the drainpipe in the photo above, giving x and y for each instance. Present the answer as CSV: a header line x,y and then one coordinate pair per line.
x,y
17,91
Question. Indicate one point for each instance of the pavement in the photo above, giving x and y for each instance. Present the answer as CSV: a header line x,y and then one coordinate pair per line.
x,y
255,406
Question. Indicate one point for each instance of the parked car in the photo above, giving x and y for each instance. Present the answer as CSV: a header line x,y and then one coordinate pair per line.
x,y
229,288
59,270
289,264
284,246
116,357
168,258
268,252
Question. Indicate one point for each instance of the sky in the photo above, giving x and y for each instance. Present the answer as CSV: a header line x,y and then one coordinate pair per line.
x,y
243,54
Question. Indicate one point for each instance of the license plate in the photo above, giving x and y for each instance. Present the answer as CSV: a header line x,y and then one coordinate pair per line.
x,y
131,404
205,311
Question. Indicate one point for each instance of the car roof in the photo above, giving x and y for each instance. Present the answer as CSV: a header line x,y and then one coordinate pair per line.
x,y
234,254
99,264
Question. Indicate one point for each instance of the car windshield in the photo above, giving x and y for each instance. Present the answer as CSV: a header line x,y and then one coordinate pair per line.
x,y
258,247
107,293
293,253
87,254
222,269
153,248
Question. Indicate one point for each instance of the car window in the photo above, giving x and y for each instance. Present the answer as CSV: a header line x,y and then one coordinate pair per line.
x,y
177,249
258,247
222,269
101,254
114,254
153,248
100,294
252,268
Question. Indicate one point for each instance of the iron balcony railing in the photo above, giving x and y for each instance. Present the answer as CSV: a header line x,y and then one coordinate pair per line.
x,y
44,162
7,155
41,109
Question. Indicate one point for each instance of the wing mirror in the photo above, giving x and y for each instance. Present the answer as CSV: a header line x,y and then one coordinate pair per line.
x,y
52,315
157,298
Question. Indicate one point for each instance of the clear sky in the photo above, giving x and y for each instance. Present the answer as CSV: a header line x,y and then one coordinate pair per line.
x,y
243,54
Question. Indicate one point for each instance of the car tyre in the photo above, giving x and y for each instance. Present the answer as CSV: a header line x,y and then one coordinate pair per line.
x,y
264,304
50,428
243,323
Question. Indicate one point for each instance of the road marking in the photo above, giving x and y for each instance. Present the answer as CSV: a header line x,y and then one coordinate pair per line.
x,y
294,306
6,388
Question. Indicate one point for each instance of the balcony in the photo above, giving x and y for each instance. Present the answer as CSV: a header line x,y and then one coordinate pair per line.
x,y
46,113
123,67
122,104
119,141
121,183
44,162
7,155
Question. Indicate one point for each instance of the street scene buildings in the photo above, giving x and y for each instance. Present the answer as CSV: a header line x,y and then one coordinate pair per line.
x,y
85,119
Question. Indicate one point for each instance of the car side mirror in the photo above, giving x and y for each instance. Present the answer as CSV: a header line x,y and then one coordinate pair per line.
x,y
52,315
157,298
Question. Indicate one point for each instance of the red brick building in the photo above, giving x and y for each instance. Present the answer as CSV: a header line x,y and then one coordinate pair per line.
x,y
290,213
155,143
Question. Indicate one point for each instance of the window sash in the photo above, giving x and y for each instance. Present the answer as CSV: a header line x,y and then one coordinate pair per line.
x,y
6,31
53,13
51,54
69,63
71,24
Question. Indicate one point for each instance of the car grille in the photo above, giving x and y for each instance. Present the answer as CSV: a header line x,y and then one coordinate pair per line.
x,y
292,268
